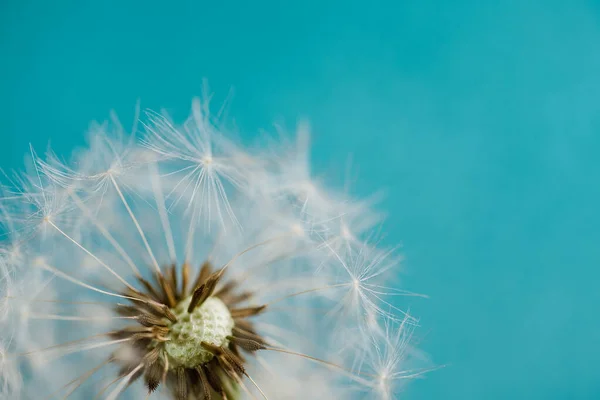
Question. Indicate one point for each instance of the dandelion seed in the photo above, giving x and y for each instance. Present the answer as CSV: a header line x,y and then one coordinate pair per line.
x,y
174,264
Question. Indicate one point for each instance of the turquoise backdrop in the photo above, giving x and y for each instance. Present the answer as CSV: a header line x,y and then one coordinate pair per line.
x,y
481,119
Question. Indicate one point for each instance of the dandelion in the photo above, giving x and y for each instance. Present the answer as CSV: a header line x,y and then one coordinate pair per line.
x,y
174,264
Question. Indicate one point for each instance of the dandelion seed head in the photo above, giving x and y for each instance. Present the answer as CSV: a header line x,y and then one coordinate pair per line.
x,y
170,260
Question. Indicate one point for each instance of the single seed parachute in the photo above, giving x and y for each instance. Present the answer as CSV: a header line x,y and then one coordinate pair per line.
x,y
170,263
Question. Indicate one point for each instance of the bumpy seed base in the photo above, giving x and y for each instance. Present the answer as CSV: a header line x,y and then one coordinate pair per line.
x,y
211,323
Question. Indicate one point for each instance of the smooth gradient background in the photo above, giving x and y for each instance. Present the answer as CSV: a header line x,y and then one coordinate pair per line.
x,y
480,118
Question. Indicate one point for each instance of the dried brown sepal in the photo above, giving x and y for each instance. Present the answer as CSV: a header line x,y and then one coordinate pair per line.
x,y
127,310
213,378
238,298
234,361
145,335
230,370
150,306
185,277
228,361
236,350
137,333
203,274
152,356
167,290
136,294
126,332
142,306
160,330
205,290
204,383
196,297
173,281
153,374
151,320
215,350
226,289
181,384
152,292
247,311
168,313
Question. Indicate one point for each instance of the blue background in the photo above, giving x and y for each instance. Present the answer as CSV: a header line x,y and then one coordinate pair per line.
x,y
481,119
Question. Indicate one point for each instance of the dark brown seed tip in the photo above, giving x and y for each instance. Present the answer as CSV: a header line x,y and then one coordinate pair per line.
x,y
204,291
152,385
247,344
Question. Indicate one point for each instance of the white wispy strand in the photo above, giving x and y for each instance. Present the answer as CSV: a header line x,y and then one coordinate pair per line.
x,y
76,234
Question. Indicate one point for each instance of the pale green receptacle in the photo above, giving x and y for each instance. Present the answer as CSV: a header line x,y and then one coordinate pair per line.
x,y
211,322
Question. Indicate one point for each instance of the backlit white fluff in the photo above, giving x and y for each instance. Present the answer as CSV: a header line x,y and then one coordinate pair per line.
x,y
78,234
